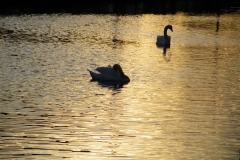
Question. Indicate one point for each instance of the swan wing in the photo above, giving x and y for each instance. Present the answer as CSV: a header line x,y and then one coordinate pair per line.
x,y
95,76
104,77
107,77
161,40
107,71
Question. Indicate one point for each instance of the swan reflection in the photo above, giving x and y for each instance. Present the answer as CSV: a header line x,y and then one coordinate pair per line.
x,y
110,84
166,56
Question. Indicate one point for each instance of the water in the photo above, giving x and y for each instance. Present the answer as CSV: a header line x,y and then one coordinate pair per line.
x,y
181,104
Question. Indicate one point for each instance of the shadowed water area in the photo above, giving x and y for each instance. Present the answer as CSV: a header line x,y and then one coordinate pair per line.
x,y
181,103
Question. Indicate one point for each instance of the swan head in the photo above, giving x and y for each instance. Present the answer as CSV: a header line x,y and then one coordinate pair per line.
x,y
165,30
169,27
118,68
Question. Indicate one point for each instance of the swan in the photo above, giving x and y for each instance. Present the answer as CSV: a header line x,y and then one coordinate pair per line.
x,y
109,73
164,40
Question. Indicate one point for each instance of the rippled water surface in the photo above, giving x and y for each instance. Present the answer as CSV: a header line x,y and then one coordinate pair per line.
x,y
183,103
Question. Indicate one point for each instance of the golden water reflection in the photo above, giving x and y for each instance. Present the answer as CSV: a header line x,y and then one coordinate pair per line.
x,y
183,104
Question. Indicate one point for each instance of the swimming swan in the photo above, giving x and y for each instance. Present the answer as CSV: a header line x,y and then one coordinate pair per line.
x,y
164,40
109,73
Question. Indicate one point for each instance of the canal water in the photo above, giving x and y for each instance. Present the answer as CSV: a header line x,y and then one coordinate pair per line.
x,y
182,102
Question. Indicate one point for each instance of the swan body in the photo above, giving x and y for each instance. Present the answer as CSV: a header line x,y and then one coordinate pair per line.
x,y
165,39
109,73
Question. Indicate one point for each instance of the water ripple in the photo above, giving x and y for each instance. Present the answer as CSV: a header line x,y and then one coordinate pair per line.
x,y
181,103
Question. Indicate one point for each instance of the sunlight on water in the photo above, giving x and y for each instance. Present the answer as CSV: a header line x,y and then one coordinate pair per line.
x,y
182,103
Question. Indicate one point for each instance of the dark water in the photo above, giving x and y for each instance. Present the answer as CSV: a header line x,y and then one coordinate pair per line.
x,y
118,7
181,104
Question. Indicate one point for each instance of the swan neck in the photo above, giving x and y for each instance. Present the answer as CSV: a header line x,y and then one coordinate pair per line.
x,y
121,72
165,32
